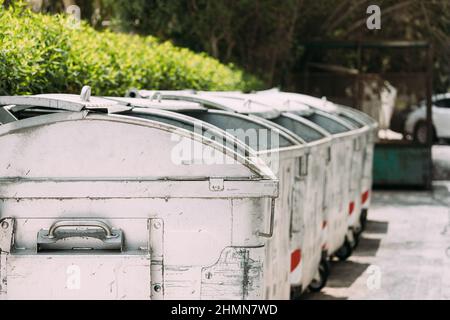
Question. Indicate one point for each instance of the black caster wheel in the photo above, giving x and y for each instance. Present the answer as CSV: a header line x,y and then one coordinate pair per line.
x,y
345,251
356,238
363,219
296,293
324,271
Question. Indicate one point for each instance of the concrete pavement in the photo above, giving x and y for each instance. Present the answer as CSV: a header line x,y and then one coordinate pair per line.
x,y
403,254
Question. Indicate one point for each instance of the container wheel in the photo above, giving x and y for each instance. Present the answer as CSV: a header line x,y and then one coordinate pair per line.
x,y
363,218
344,251
324,271
356,238
296,292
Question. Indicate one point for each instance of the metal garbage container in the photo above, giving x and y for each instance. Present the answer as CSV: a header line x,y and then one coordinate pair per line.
x,y
308,179
278,149
96,206
344,172
363,161
363,120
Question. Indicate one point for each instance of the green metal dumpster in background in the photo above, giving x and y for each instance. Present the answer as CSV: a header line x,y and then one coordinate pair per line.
x,y
397,163
407,165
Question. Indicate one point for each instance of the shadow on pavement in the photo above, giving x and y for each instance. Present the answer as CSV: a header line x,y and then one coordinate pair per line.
x,y
344,273
367,247
376,227
320,296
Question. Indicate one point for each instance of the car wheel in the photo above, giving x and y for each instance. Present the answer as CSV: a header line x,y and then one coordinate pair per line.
x,y
420,133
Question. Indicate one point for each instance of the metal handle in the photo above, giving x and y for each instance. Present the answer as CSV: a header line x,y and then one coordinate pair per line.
x,y
85,94
157,95
247,104
111,239
77,223
272,218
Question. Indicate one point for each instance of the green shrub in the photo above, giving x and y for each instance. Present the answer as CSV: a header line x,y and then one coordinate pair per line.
x,y
41,53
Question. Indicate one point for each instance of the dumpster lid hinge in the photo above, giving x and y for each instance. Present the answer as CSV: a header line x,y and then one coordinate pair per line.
x,y
216,184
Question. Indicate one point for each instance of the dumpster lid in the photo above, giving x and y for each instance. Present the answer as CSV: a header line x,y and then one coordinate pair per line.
x,y
138,148
305,129
184,121
310,101
64,102
233,120
271,100
323,108
158,103
217,102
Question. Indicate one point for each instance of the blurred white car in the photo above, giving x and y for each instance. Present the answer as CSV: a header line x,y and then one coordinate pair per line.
x,y
416,126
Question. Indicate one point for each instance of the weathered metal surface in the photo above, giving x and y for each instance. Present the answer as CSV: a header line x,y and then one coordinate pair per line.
x,y
81,166
228,103
166,104
306,226
228,270
89,160
299,202
361,139
280,158
71,276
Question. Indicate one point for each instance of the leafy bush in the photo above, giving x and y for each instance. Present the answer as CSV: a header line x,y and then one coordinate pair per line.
x,y
41,53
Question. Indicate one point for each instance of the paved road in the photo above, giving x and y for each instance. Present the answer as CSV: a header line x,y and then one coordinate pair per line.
x,y
441,162
403,254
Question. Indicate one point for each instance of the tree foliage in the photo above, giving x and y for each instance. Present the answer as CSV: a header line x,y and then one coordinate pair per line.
x,y
52,53
265,37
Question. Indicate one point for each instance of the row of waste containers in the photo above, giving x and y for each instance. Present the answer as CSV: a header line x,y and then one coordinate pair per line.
x,y
178,194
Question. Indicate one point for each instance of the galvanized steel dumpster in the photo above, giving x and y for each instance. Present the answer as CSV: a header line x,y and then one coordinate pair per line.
x,y
362,161
279,150
95,206
344,176
307,232
371,136
306,220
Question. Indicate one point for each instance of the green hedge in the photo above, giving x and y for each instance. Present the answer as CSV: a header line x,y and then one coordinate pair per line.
x,y
41,53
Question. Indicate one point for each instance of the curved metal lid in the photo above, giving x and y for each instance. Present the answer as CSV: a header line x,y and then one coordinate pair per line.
x,y
59,101
321,104
271,100
192,124
346,115
153,138
158,103
217,102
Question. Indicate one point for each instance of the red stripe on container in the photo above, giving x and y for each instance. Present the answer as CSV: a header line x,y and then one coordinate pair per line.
x,y
351,207
365,196
296,256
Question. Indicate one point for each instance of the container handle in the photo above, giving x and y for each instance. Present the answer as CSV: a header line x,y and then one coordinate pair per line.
x,y
157,95
49,239
76,223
